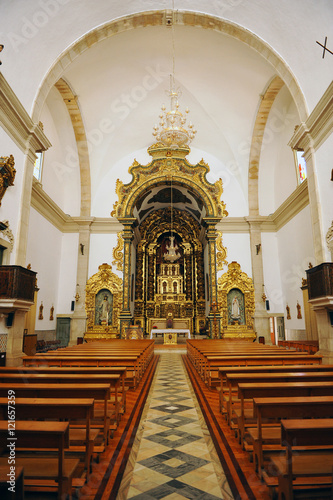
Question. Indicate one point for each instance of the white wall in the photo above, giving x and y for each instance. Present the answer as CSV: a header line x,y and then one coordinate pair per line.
x,y
324,165
100,252
44,255
238,249
295,248
10,208
272,276
67,272
277,171
61,171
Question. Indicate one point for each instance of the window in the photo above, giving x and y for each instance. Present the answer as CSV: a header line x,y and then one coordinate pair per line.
x,y
300,166
38,166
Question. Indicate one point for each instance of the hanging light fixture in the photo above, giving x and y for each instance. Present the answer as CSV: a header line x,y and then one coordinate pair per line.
x,y
171,255
172,130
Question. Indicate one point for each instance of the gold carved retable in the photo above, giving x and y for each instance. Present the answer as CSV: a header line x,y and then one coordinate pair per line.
x,y
236,303
103,304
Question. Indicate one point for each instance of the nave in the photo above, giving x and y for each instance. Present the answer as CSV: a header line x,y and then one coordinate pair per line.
x,y
173,455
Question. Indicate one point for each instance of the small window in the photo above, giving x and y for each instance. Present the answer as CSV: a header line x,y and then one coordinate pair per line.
x,y
38,166
300,166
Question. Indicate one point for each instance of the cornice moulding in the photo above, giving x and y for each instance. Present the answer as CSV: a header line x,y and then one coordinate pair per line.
x,y
17,123
42,202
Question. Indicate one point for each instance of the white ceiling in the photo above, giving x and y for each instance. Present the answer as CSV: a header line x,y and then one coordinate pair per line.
x,y
120,96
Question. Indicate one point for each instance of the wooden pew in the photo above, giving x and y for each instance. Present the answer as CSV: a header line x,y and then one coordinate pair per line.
x,y
98,370
291,407
59,409
307,470
233,379
43,471
70,378
215,362
129,362
95,391
282,389
223,388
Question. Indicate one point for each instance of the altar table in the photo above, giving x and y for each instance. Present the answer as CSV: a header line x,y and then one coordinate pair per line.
x,y
170,330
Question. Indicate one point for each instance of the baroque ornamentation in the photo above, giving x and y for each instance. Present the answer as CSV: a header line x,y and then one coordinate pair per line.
x,y
7,174
236,303
167,164
221,254
105,282
7,233
118,253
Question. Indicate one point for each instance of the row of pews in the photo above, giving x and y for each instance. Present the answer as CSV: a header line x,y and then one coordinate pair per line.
x,y
60,409
279,402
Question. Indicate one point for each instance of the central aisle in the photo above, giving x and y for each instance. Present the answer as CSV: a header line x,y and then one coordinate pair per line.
x,y
173,455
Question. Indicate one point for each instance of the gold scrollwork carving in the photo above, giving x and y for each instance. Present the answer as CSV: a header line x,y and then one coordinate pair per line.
x,y
118,253
236,280
7,174
104,279
221,256
160,171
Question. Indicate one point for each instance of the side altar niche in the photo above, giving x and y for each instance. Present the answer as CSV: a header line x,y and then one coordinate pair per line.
x,y
236,303
103,304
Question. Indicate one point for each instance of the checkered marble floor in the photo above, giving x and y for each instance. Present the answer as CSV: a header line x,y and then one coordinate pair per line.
x,y
173,457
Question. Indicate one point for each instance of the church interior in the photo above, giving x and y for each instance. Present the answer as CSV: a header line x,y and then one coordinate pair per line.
x,y
166,198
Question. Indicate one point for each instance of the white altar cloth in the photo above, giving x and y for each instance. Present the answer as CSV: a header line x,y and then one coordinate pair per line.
x,y
170,330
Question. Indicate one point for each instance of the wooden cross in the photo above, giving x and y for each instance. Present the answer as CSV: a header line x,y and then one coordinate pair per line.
x,y
324,47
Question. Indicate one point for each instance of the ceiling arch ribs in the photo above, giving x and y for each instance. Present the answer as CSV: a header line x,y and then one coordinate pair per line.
x,y
159,18
74,112
265,106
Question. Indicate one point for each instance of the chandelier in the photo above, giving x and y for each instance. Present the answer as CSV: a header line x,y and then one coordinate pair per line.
x,y
171,254
172,130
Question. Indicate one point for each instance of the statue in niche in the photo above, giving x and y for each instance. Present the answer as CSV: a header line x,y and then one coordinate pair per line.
x,y
103,308
236,313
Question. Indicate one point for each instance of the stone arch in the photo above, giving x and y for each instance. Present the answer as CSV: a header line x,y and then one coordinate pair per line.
x,y
159,18
70,100
265,106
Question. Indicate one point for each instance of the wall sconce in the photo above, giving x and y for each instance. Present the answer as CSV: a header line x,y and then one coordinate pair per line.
x,y
1,49
77,295
258,248
82,248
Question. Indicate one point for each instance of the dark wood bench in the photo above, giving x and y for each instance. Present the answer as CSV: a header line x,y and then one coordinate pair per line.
x,y
95,391
268,438
42,472
81,439
224,390
214,363
244,416
88,370
311,470
70,378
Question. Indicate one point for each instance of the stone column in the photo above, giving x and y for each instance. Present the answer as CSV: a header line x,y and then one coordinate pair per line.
x,y
78,321
302,140
214,315
261,318
125,315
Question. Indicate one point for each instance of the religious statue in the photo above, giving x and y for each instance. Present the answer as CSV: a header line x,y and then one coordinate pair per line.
x,y
105,310
288,312
41,307
299,312
235,310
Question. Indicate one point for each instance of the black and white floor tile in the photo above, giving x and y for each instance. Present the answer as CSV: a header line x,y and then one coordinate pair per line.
x,y
173,457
